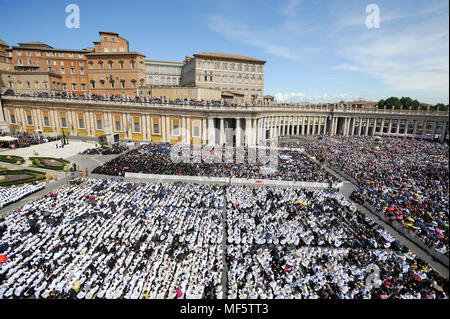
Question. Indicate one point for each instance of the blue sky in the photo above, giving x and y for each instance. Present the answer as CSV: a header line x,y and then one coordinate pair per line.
x,y
316,50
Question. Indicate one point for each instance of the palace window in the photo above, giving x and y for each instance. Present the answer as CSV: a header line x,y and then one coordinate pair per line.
x,y
137,127
155,128
117,126
29,120
99,125
196,132
176,130
46,121
81,123
13,118
63,122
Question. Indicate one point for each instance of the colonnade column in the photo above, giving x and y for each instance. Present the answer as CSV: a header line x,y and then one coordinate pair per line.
x,y
307,126
416,124
444,132
188,130
382,126
248,131
397,129
238,132
279,125
433,129
292,125
405,130
303,125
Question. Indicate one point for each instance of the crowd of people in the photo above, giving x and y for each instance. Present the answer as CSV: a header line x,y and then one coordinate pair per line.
x,y
127,98
114,149
9,195
156,159
25,139
286,243
114,239
405,179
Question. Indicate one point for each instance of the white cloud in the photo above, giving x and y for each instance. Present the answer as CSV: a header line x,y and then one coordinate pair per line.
x,y
298,97
290,9
358,20
238,32
345,67
413,58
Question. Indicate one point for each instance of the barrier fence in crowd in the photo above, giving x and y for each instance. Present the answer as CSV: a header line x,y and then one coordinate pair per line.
x,y
231,181
397,226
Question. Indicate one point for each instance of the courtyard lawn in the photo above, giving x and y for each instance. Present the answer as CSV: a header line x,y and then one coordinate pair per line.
x,y
12,159
56,164
18,177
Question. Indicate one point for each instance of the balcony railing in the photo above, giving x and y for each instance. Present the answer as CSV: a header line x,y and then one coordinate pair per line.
x,y
222,106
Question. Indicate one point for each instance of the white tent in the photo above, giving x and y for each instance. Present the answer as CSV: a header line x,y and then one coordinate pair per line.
x,y
8,138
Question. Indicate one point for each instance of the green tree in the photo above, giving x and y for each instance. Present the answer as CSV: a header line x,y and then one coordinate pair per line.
x,y
393,103
441,107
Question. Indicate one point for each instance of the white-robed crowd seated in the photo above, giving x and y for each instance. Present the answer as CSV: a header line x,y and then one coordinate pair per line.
x,y
113,239
286,243
9,195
